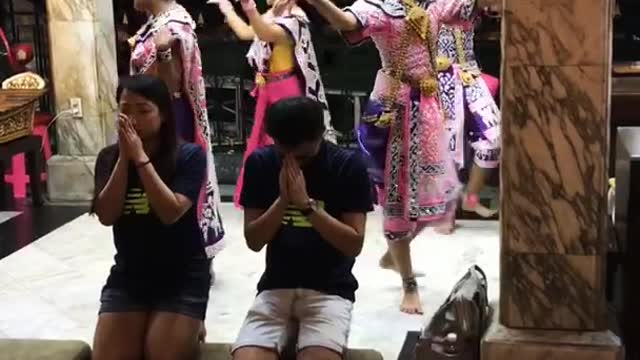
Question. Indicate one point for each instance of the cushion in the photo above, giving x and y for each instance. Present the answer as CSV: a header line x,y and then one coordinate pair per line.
x,y
25,349
223,352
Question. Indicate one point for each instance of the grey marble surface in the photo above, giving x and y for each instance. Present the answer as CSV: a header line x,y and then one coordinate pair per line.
x,y
50,289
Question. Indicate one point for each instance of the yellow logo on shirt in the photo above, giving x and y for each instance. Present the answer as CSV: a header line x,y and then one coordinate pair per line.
x,y
293,216
136,202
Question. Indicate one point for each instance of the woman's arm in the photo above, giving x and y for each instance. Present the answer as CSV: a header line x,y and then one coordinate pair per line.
x,y
260,226
109,202
170,68
242,30
339,19
168,206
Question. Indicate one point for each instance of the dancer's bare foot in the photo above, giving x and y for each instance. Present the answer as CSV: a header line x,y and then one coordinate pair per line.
x,y
387,263
471,203
447,227
202,335
411,303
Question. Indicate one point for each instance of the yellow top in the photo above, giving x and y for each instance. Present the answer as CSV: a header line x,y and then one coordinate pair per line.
x,y
282,58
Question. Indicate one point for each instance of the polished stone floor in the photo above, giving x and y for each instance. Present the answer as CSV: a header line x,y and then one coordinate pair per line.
x,y
50,288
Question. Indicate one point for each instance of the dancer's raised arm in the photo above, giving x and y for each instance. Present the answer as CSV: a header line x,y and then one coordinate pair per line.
x,y
264,30
338,18
242,30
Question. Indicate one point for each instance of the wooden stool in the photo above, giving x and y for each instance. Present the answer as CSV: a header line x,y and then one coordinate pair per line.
x,y
30,146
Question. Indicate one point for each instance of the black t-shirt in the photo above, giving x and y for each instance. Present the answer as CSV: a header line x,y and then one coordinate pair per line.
x,y
152,256
298,257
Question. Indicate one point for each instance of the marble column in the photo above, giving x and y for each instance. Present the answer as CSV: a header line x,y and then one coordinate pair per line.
x,y
556,78
83,65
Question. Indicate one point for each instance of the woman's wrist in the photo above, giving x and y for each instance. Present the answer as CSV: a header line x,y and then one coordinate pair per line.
x,y
248,6
140,159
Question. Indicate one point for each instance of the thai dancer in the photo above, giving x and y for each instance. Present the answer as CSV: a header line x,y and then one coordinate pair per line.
x,y
284,60
403,131
471,114
166,46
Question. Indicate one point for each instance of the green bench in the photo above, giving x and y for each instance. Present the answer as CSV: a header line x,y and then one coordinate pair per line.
x,y
24,349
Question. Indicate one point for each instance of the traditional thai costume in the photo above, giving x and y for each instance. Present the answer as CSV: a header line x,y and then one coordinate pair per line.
x,y
403,130
190,107
467,93
283,71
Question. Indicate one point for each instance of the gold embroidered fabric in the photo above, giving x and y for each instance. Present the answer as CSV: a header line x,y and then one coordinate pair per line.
x,y
417,20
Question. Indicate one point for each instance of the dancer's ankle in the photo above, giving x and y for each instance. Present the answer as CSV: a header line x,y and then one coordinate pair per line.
x,y
410,285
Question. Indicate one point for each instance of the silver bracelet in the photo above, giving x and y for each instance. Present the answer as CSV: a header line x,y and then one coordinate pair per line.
x,y
164,55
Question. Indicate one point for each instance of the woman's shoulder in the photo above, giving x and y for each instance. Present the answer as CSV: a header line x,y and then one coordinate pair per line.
x,y
108,152
191,153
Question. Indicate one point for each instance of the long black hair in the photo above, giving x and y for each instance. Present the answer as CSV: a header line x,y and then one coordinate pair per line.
x,y
164,160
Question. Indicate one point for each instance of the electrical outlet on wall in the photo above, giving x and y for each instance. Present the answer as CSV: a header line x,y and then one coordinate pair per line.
x,y
75,104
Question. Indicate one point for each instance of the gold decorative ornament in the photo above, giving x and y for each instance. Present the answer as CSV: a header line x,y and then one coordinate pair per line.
x,y
443,63
18,99
260,80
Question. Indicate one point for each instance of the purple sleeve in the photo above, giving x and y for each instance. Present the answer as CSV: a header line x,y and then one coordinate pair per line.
x,y
452,10
371,19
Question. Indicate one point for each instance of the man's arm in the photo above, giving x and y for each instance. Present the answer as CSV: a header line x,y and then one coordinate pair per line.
x,y
346,234
339,19
260,226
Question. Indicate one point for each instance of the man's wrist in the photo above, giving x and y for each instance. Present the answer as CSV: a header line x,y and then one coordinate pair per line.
x,y
308,207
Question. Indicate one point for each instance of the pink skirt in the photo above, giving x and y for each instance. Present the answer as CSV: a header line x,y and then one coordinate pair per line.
x,y
278,86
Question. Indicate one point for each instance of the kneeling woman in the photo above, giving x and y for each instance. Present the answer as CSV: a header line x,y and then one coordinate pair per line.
x,y
147,186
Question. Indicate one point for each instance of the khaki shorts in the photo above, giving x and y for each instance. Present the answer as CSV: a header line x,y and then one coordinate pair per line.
x,y
322,320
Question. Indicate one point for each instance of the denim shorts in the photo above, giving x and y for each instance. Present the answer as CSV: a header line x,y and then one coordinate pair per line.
x,y
189,298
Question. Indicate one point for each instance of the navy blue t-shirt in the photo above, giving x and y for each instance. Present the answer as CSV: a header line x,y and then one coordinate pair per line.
x,y
298,257
152,256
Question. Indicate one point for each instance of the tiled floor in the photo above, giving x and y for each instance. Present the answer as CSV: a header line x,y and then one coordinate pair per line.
x,y
50,289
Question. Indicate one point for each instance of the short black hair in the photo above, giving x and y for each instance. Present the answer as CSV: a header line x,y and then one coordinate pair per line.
x,y
294,121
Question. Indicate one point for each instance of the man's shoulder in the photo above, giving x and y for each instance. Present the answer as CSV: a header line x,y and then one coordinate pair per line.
x,y
264,157
342,159
264,153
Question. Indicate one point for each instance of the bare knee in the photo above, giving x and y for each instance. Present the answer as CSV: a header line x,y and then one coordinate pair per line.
x,y
254,353
119,337
318,353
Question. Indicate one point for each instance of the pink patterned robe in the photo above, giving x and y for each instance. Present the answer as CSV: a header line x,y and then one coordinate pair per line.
x,y
307,73
143,58
416,172
471,113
